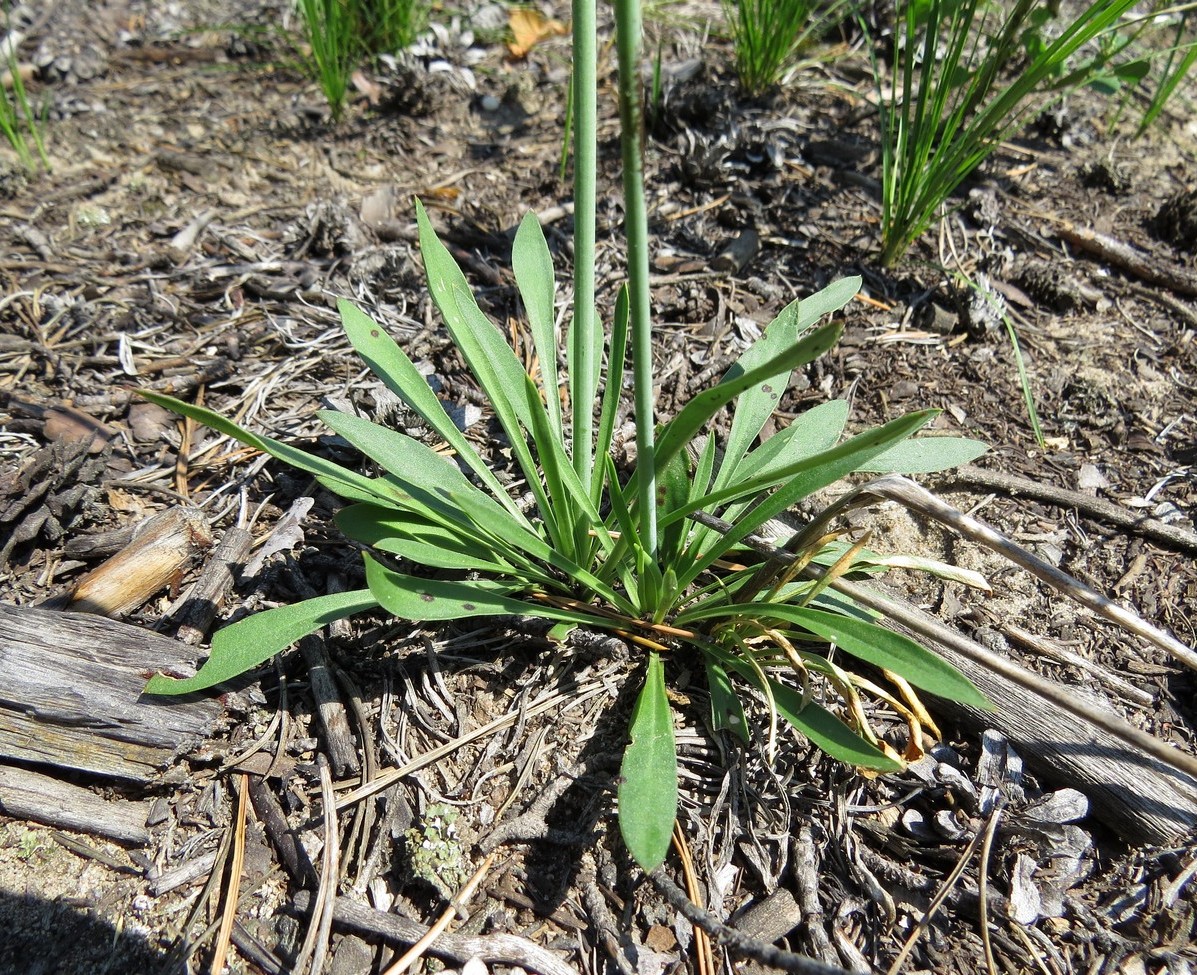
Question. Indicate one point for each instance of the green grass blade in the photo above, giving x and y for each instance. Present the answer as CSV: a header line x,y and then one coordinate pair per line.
x,y
254,640
648,776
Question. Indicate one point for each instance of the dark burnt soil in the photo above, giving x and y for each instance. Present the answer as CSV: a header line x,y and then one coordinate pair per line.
x,y
202,217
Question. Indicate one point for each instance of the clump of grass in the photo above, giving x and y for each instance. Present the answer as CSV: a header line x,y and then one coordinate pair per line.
x,y
343,33
967,76
769,34
19,124
331,30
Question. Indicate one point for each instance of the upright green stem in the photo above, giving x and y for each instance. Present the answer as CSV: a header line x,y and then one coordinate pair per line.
x,y
585,338
631,118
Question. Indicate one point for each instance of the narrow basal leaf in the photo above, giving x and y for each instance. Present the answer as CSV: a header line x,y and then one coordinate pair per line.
x,y
867,641
254,640
534,276
423,543
399,374
685,426
332,474
727,713
420,599
648,775
425,477
612,388
757,403
925,455
808,475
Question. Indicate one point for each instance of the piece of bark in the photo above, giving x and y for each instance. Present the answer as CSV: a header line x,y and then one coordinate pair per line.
x,y
342,750
70,695
201,602
768,920
156,558
43,799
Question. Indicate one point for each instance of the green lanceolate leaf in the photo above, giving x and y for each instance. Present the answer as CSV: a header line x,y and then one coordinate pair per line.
x,y
828,732
810,433
356,486
798,481
255,639
533,266
398,373
415,598
429,480
481,344
648,776
757,403
683,427
925,455
423,543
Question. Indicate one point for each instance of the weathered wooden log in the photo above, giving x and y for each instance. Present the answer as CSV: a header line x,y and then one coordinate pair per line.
x,y
70,695
43,799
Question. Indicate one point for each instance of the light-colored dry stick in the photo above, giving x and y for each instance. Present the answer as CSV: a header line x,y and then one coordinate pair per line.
x,y
1047,648
927,626
315,943
911,495
1126,258
458,903
991,828
233,890
1097,508
390,776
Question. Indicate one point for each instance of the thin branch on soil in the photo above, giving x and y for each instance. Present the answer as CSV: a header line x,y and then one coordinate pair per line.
x,y
1098,508
390,776
494,949
1126,258
911,495
734,940
937,902
315,943
930,628
233,888
456,906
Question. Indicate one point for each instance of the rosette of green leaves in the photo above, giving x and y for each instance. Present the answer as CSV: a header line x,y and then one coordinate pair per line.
x,y
578,557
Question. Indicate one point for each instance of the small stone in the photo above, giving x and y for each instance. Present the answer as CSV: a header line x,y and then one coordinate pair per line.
x,y
489,103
